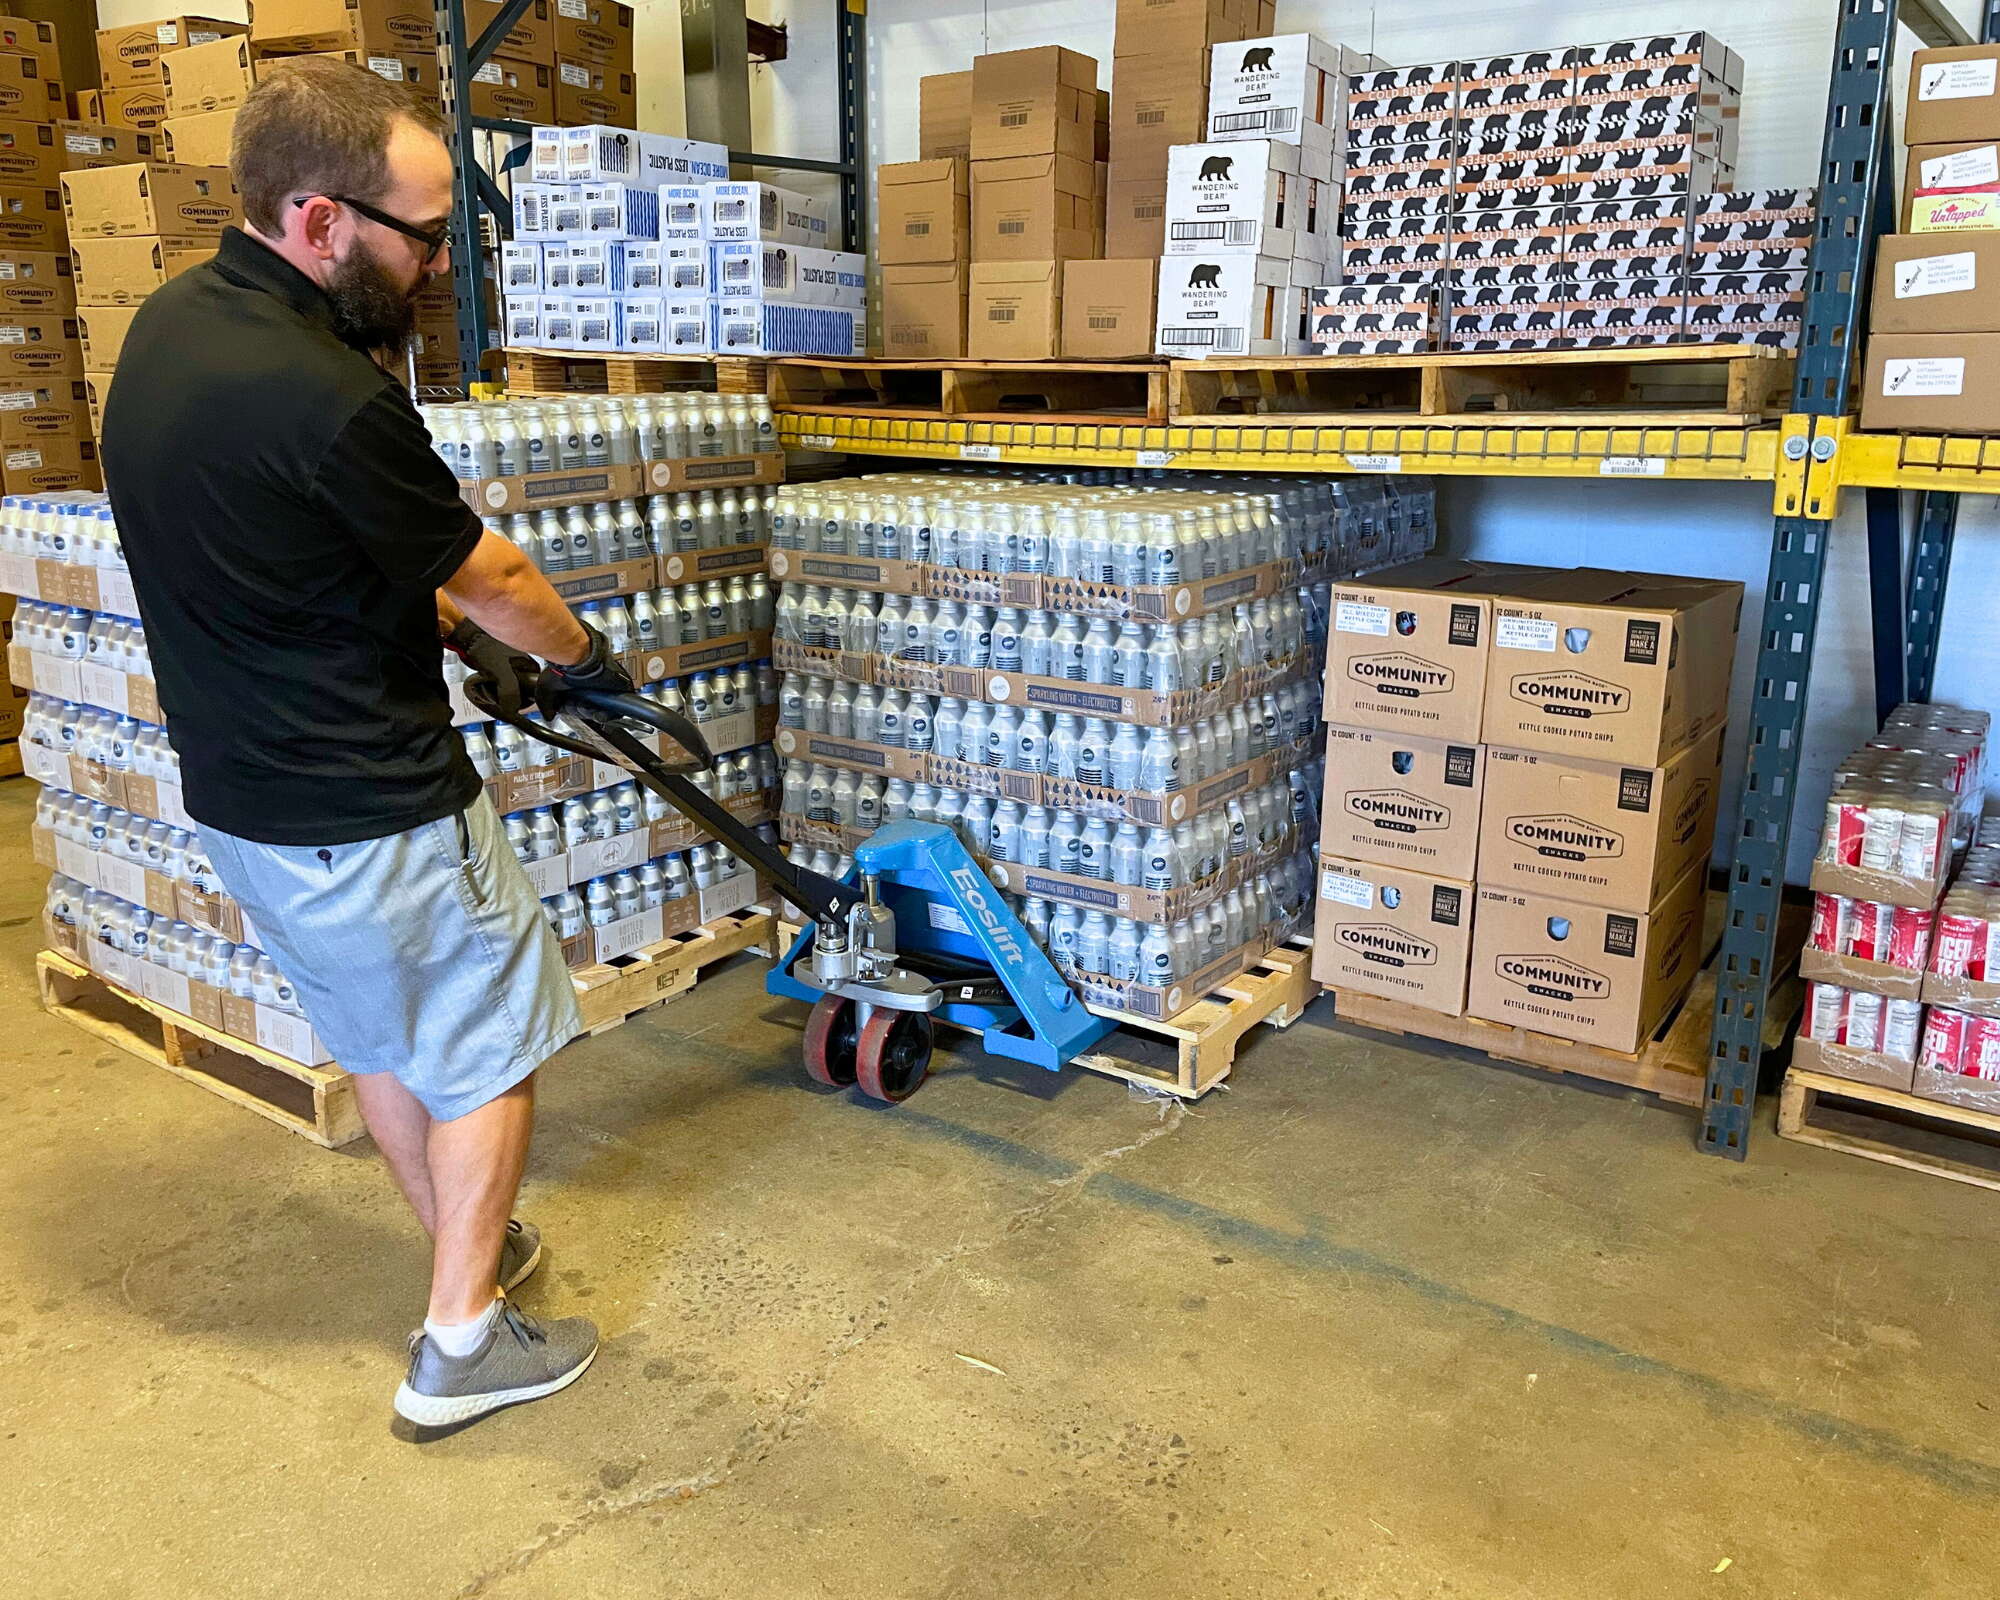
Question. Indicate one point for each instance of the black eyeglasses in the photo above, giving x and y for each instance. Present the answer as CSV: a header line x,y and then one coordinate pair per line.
x,y
432,239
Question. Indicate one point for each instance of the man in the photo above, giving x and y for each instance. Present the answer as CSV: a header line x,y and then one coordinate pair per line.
x,y
298,549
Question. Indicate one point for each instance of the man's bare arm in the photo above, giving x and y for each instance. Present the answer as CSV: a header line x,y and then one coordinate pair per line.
x,y
499,588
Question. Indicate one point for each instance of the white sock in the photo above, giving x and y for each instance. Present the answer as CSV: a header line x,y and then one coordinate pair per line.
x,y
460,1339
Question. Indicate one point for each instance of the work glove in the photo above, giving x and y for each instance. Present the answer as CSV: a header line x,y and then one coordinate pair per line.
x,y
509,675
597,670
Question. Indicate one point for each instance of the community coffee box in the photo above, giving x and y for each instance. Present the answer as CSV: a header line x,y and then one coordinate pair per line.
x,y
1582,972
150,197
130,55
199,141
1229,304
1925,283
31,217
1401,801
1593,831
1391,932
208,77
40,152
1612,666
36,283
1408,649
297,27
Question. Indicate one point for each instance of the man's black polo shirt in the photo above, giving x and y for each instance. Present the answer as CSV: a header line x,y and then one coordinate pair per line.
x,y
286,521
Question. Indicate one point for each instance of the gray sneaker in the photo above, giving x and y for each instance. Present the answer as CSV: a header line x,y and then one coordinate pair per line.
x,y
520,1254
520,1360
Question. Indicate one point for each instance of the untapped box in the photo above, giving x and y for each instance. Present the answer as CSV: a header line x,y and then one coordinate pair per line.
x,y
1931,383
1925,283
1582,972
1954,94
1391,932
923,309
1108,309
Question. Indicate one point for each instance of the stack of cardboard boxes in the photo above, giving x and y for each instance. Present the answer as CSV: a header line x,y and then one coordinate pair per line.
x,y
131,229
924,247
132,90
1523,773
1934,343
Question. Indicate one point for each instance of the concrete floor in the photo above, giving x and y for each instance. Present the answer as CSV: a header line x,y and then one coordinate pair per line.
x,y
1372,1324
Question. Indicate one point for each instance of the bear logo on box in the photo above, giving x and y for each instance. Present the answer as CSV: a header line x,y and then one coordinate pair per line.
x,y
1216,169
1205,277
1258,59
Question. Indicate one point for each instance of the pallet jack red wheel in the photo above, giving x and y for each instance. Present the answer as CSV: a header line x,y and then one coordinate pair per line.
x,y
830,1042
894,1054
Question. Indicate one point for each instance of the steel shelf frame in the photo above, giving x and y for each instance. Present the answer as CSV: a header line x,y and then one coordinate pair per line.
x,y
476,191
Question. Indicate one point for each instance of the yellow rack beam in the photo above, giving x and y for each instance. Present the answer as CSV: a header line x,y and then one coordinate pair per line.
x,y
1968,465
1719,454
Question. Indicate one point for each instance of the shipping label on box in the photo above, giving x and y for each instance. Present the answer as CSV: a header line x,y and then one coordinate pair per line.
x,y
1388,931
1924,284
616,211
798,273
1109,309
1229,304
130,55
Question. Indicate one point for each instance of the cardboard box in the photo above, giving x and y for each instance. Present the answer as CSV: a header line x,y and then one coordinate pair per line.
x,y
50,466
586,92
40,152
1591,831
150,197
142,107
1402,801
1109,309
101,331
944,116
1392,932
1229,304
1582,972
208,77
1954,94
923,310
129,56
517,91
1037,102
123,271
1187,28
298,27
1964,167
1928,284
1135,214
1860,1066
28,94
532,38
54,406
31,217
36,283
1931,383
1036,208
1157,101
1246,196
1291,87
597,31
36,349
926,212
201,141
1612,666
1014,310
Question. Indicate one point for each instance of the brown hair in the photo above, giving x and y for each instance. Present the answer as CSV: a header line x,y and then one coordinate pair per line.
x,y
314,126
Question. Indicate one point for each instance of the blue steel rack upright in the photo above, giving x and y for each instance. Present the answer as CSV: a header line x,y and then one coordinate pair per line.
x,y
475,190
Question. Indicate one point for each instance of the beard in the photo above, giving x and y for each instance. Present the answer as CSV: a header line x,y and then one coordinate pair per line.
x,y
369,311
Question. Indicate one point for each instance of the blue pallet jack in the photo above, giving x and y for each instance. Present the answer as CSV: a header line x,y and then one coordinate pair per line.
x,y
915,931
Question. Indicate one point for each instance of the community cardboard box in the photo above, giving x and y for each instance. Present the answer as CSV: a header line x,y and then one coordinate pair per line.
x,y
26,36
36,410
1954,95
1186,28
29,94
1931,383
101,331
299,27
1109,309
34,349
1612,666
208,77
1928,283
944,115
518,91
36,283
1157,101
123,271
1403,801
1035,102
598,31
150,197
141,106
50,466
1014,310
1036,208
1407,652
201,141
1392,932
923,310
1594,831
40,152
1582,972
926,212
586,92
532,38
1232,303
1135,212
31,217
130,56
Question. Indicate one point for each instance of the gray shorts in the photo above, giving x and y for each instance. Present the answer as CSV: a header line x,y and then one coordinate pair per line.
x,y
424,954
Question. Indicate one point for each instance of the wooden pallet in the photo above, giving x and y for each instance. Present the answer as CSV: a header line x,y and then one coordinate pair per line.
x,y
317,1103
1671,1063
557,372
1675,385
611,994
1887,1125
971,391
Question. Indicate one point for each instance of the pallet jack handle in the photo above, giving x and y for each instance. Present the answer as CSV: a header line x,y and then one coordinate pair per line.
x,y
607,716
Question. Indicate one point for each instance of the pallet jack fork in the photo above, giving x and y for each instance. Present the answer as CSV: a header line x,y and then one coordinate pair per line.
x,y
915,930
